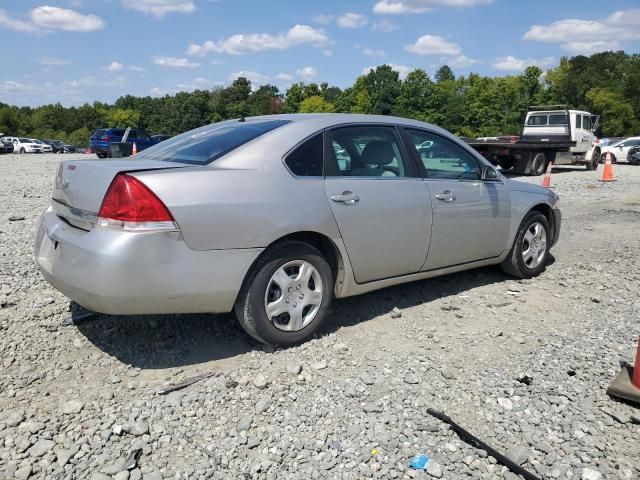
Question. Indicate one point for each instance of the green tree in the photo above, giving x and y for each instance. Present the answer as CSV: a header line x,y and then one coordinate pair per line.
x,y
383,88
316,104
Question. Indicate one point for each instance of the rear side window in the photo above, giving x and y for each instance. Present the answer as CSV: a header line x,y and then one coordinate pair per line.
x,y
578,121
537,120
206,144
306,159
117,132
587,122
558,119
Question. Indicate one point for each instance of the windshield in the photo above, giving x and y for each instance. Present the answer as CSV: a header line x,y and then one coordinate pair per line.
x,y
205,144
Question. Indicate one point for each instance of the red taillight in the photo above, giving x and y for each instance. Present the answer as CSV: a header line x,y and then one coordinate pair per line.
x,y
129,203
106,138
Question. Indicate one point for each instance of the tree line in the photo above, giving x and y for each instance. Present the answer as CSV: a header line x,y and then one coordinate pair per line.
x,y
605,83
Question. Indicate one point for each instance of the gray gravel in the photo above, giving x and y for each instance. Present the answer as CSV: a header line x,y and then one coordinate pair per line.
x,y
77,399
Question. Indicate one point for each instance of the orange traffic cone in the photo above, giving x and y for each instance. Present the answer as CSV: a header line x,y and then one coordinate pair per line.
x,y
607,173
546,181
627,384
134,151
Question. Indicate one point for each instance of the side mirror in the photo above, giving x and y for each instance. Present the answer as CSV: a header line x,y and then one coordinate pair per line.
x,y
489,173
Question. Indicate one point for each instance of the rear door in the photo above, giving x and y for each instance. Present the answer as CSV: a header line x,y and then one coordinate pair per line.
x,y
471,217
380,204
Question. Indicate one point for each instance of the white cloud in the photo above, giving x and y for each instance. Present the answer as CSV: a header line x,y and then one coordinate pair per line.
x,y
157,92
399,7
284,77
159,8
9,21
54,61
91,81
136,68
173,62
113,67
253,77
385,25
307,73
54,18
199,83
323,19
433,45
589,36
9,86
257,42
461,61
373,53
403,70
352,20
514,64
46,19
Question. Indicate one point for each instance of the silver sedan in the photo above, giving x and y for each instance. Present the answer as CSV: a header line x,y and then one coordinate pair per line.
x,y
272,217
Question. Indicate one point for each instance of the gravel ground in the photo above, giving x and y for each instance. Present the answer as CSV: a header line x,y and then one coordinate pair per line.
x,y
77,399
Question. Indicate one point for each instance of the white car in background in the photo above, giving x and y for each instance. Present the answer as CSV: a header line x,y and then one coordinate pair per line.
x,y
46,148
619,150
24,145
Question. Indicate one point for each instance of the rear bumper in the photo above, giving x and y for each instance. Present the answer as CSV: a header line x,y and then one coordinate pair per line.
x,y
123,273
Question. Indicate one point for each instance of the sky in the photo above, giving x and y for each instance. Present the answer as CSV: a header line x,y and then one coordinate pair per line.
x,y
77,51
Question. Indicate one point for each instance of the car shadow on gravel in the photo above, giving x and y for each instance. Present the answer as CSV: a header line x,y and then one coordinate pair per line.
x,y
354,310
166,341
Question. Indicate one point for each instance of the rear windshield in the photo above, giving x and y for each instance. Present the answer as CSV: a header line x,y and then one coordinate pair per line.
x,y
204,145
99,133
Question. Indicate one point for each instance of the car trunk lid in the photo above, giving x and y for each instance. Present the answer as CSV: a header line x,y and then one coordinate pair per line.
x,y
80,186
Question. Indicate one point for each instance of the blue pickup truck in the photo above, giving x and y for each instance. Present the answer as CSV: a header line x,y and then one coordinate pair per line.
x,y
102,137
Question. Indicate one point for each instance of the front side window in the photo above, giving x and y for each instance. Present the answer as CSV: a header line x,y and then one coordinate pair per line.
x,y
306,159
366,151
206,144
442,158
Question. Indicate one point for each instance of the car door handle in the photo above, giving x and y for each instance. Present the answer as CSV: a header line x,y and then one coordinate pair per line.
x,y
446,196
348,198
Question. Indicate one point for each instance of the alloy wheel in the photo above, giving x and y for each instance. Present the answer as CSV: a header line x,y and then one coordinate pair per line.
x,y
534,245
293,295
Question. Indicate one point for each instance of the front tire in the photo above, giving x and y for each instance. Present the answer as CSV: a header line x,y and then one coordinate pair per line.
x,y
530,251
286,295
595,160
22,150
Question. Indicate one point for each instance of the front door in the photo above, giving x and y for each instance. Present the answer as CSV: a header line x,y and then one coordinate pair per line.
x,y
471,217
380,205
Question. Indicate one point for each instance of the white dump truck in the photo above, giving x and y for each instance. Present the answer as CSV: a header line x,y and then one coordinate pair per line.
x,y
550,134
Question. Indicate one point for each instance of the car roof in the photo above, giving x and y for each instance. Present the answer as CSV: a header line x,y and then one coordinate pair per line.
x,y
318,121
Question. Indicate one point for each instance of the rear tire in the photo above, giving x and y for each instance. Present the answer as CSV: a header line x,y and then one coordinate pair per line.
x,y
257,290
538,164
22,150
515,263
101,155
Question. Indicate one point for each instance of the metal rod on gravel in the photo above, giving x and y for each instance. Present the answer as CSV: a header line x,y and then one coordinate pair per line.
x,y
476,442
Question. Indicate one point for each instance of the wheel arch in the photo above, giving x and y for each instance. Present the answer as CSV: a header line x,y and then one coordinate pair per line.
x,y
325,245
547,211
